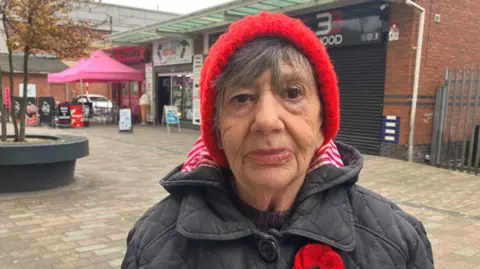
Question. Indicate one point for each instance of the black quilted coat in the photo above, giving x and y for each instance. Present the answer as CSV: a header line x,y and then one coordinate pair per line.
x,y
198,225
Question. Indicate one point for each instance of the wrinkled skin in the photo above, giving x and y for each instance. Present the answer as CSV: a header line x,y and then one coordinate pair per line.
x,y
258,117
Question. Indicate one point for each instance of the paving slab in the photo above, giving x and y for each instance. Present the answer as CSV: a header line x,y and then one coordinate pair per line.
x,y
85,224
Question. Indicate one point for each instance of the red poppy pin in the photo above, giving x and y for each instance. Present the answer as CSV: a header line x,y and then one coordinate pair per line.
x,y
317,256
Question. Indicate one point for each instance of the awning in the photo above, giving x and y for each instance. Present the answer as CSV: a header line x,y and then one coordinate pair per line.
x,y
98,68
213,17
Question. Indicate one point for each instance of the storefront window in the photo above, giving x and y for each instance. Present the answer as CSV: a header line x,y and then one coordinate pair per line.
x,y
134,88
181,94
188,98
124,89
177,94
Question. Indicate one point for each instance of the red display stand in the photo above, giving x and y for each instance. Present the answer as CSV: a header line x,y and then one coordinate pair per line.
x,y
76,116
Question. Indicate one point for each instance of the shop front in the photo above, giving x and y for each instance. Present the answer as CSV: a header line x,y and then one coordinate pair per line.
x,y
356,38
172,61
127,94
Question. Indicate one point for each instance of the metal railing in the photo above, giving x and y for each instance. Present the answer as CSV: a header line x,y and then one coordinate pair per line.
x,y
455,126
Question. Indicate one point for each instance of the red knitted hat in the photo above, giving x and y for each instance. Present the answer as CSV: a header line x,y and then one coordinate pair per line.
x,y
256,26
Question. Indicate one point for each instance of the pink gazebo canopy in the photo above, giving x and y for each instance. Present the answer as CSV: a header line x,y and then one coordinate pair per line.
x,y
98,68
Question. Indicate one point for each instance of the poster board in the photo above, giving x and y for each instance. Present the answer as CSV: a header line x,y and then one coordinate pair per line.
x,y
31,90
125,120
31,112
64,118
46,105
197,67
171,116
76,115
169,52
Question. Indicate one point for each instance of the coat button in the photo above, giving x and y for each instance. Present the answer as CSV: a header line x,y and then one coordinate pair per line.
x,y
268,250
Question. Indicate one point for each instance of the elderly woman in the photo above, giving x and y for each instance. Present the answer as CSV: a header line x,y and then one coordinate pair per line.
x,y
265,186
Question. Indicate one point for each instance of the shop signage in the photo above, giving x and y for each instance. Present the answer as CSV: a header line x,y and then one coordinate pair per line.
x,y
171,116
170,52
76,115
31,90
197,67
342,28
126,55
125,120
7,102
46,106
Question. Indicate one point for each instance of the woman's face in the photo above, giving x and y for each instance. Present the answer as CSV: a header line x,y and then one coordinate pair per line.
x,y
269,135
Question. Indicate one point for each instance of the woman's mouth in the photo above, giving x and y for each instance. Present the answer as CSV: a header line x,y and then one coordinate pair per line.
x,y
270,156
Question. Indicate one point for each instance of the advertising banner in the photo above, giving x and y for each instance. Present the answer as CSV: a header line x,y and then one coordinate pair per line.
x,y
31,116
7,102
347,27
46,105
169,52
76,115
125,120
64,117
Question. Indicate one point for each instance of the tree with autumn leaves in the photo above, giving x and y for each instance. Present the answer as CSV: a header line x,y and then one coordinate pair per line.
x,y
41,25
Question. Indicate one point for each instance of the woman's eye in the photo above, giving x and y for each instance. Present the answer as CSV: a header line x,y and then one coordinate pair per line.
x,y
241,99
292,93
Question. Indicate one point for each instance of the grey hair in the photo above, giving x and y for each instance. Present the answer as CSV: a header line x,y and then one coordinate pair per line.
x,y
251,61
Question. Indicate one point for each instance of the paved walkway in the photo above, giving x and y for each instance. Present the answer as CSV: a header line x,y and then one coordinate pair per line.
x,y
84,225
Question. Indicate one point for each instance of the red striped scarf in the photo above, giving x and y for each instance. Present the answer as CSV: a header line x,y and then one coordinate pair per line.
x,y
198,156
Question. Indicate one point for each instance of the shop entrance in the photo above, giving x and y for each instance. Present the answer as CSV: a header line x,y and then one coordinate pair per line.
x,y
163,93
361,75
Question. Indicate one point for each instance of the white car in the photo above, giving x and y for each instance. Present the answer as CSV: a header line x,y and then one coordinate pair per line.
x,y
99,102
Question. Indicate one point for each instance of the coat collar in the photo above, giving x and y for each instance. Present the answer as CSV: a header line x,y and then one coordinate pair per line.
x,y
208,213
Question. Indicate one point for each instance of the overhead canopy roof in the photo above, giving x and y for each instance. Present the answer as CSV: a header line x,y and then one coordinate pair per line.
x,y
213,17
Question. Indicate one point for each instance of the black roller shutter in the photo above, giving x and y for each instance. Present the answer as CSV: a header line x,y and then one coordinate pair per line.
x,y
361,74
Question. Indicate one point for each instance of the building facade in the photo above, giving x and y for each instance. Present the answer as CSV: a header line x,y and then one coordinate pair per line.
x,y
103,17
373,46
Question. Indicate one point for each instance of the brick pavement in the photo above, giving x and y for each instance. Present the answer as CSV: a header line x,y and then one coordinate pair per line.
x,y
84,225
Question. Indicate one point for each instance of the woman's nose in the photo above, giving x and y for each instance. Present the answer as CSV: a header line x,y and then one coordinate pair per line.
x,y
266,115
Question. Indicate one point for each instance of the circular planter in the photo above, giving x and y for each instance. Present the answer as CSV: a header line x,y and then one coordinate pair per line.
x,y
40,165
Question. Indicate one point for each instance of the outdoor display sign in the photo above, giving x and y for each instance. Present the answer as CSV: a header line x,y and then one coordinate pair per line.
x,y
46,106
197,66
171,116
168,52
31,90
87,111
7,102
347,27
125,120
31,116
76,116
64,118
131,54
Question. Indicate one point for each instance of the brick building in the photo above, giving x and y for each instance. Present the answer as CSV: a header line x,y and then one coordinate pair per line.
x,y
104,18
374,47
